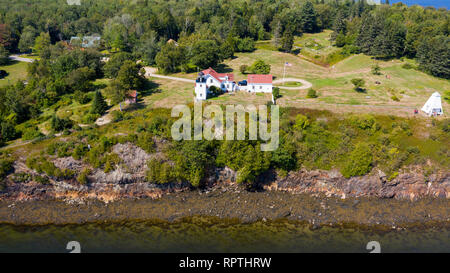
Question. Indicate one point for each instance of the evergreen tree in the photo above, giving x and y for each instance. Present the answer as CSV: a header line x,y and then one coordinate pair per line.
x,y
434,56
308,18
4,56
99,105
339,25
287,41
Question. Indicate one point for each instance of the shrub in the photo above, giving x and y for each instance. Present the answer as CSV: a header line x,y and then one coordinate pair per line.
x,y
111,160
6,166
301,122
90,118
22,177
376,69
117,116
41,179
80,151
245,45
260,67
395,98
160,172
60,124
276,93
81,97
83,178
8,131
31,132
243,68
407,66
358,84
145,141
359,161
311,93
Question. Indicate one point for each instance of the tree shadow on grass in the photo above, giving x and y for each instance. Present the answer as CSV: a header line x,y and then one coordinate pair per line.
x,y
149,88
223,68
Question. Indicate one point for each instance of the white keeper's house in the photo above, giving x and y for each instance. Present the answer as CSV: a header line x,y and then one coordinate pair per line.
x,y
209,77
225,81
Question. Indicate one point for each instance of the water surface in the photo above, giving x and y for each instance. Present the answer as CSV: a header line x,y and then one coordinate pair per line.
x,y
208,234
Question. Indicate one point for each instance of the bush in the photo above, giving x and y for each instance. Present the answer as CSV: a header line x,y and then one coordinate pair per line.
x,y
301,122
376,69
111,161
145,142
359,84
83,178
81,97
22,177
359,161
245,45
260,67
407,66
117,116
243,68
395,98
61,149
31,132
160,172
276,93
60,124
90,118
41,179
311,93
6,166
80,151
42,165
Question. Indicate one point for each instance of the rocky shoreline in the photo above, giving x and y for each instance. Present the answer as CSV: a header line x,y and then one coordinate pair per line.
x,y
412,196
233,203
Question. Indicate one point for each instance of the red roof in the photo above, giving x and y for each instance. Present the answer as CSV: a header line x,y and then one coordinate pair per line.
x,y
259,78
218,76
132,94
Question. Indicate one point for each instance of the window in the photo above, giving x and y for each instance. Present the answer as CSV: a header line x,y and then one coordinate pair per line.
x,y
200,85
260,87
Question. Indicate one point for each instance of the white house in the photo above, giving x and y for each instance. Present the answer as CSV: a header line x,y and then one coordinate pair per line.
x,y
433,106
209,77
259,83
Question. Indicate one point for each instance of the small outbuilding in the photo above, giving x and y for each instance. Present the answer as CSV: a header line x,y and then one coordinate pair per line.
x,y
433,106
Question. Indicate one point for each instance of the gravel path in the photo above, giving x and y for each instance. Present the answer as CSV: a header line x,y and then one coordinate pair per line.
x,y
21,59
150,72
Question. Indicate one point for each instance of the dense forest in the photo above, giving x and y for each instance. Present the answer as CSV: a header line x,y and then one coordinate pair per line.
x,y
217,28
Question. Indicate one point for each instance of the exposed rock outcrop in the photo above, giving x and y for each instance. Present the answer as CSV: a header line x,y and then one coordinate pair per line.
x,y
410,185
128,180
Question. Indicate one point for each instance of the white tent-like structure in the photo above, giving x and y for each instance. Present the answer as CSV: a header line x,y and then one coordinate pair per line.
x,y
433,106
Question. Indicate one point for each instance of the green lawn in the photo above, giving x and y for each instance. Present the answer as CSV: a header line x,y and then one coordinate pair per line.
x,y
290,84
16,71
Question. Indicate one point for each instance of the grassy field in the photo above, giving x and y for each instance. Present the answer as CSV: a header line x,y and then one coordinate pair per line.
x,y
411,87
16,71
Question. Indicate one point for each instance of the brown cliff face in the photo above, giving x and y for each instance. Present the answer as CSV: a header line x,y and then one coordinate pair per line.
x,y
128,181
331,183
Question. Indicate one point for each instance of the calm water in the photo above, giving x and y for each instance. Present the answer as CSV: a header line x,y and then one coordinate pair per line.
x,y
212,235
425,3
